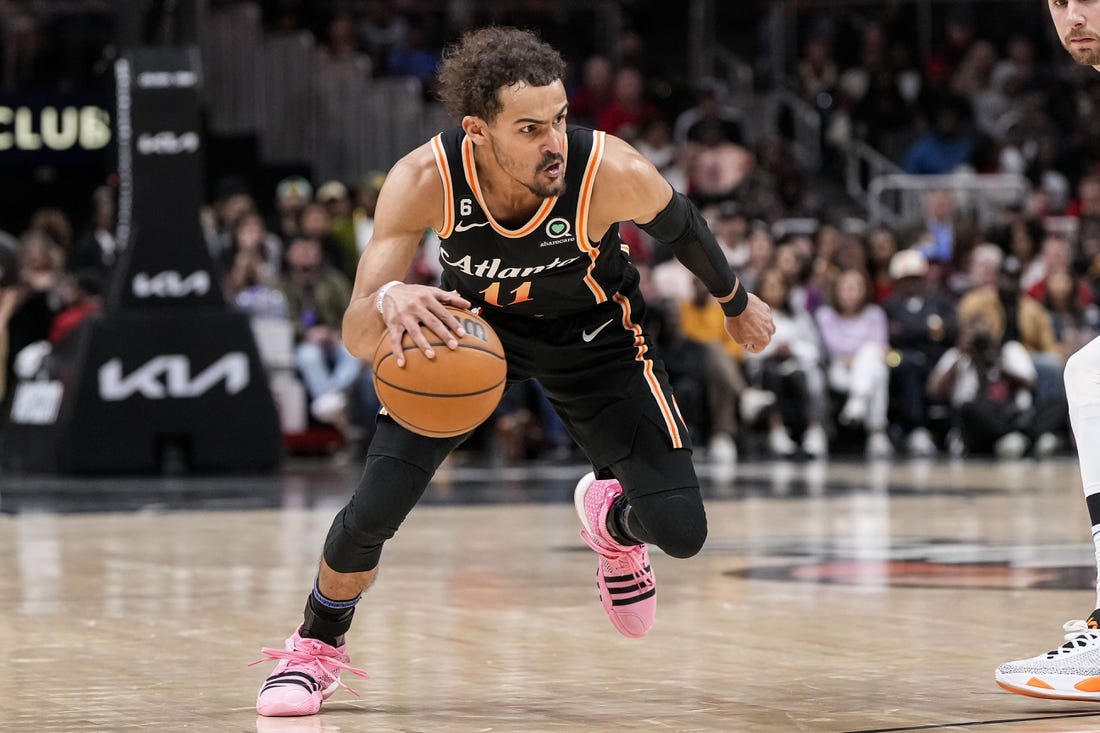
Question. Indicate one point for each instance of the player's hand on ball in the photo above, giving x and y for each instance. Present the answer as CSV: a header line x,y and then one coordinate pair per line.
x,y
412,308
451,394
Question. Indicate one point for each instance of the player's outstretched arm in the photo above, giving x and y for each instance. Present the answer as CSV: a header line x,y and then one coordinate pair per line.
x,y
411,201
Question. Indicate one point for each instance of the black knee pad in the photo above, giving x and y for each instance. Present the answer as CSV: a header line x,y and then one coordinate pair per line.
x,y
673,520
388,491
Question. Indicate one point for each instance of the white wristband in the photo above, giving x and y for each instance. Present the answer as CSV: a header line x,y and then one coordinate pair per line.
x,y
382,294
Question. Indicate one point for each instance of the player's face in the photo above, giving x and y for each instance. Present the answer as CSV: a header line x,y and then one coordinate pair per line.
x,y
1078,25
528,137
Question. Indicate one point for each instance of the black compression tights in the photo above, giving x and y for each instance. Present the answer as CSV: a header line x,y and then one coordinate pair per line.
x,y
670,518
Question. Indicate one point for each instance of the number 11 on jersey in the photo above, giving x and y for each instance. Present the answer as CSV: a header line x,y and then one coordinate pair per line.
x,y
522,294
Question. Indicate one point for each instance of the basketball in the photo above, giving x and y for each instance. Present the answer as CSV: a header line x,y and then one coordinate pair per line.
x,y
451,394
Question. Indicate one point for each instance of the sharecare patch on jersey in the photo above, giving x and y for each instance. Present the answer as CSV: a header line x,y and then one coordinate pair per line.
x,y
492,268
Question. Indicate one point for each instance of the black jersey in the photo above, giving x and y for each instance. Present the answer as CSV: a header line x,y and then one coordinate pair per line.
x,y
546,267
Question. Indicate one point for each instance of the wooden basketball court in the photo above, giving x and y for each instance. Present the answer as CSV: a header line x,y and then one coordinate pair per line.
x,y
833,597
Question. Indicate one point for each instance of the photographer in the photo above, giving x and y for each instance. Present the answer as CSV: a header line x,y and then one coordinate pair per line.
x,y
990,387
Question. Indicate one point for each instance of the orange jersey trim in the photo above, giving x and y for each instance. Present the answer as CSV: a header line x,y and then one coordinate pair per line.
x,y
584,205
475,186
448,187
668,411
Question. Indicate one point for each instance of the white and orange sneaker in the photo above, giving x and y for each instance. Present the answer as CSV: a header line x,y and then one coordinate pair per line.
x,y
1070,672
624,577
307,674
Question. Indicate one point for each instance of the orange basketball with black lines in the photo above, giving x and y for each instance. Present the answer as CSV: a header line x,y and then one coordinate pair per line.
x,y
451,394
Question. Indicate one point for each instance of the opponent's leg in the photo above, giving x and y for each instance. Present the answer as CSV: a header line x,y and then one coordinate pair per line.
x,y
1072,671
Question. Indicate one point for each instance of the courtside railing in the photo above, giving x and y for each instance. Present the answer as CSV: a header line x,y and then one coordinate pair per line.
x,y
896,199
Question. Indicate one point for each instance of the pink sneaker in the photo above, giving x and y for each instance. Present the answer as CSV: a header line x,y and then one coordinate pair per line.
x,y
624,577
309,672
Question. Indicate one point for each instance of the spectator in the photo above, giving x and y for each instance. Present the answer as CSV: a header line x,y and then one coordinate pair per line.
x,y
669,278
1056,257
882,114
854,334
80,295
988,384
731,229
24,62
425,268
1008,313
712,117
381,30
824,258
851,254
944,148
316,296
1014,316
41,264
1074,323
761,250
656,144
416,56
957,42
340,43
975,70
249,261
984,268
291,196
363,215
628,110
715,167
794,258
702,321
776,188
790,368
882,245
922,326
937,233
817,71
231,203
1045,170
1018,233
588,100
55,224
1088,255
1016,71
9,279
336,198
314,221
1087,202
97,249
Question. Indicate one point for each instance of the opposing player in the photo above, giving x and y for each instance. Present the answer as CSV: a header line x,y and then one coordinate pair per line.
x,y
1072,671
527,211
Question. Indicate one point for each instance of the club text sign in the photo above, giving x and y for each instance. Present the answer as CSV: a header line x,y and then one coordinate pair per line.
x,y
54,129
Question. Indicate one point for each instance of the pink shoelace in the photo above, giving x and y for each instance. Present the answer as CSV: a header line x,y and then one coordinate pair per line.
x,y
618,554
327,663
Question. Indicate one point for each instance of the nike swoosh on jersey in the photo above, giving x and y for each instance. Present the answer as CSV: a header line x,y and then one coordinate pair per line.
x,y
587,337
462,226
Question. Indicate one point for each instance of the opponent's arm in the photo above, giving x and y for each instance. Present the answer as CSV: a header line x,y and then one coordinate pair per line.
x,y
411,201
629,187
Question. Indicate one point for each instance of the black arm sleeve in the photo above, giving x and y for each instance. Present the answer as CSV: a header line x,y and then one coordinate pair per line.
x,y
682,227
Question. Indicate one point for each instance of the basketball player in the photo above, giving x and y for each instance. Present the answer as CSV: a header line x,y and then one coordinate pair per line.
x,y
1072,671
527,211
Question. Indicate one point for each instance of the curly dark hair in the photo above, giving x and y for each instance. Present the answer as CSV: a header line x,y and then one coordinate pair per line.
x,y
484,60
